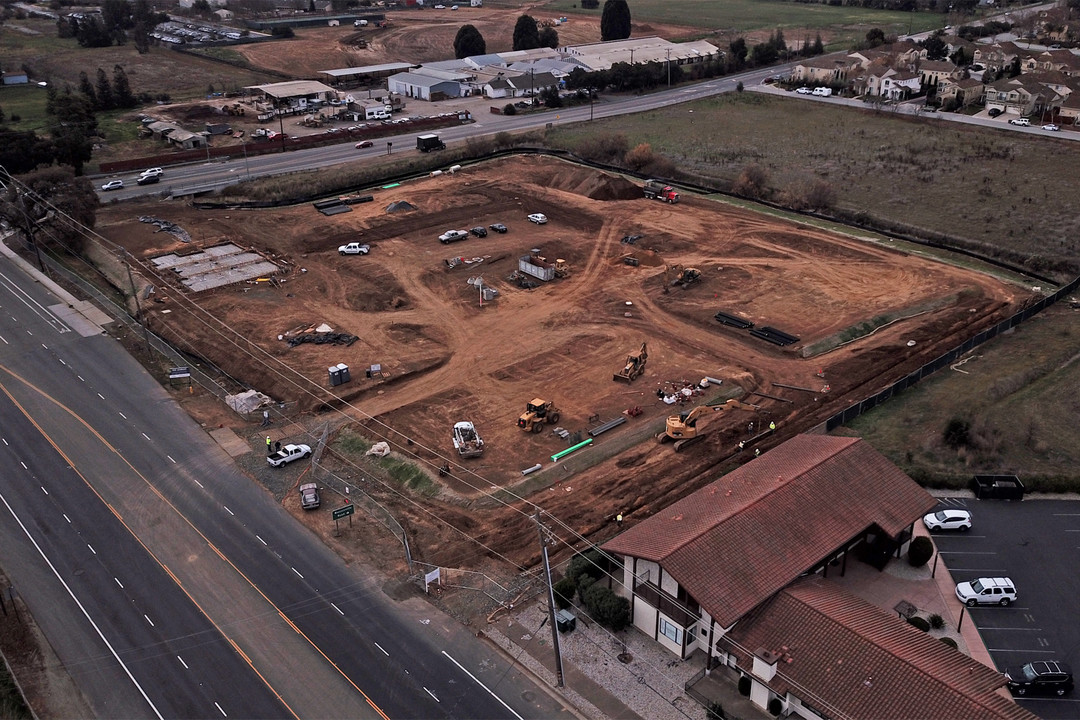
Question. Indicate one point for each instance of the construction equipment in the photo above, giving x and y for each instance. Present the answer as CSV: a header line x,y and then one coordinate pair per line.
x,y
467,441
635,366
683,428
537,412
562,268
685,276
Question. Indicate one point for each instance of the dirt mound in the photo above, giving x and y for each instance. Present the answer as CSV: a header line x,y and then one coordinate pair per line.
x,y
595,186
400,206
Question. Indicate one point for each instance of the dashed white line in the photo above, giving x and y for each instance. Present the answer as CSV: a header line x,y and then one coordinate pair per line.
x,y
501,701
66,518
297,572
122,414
170,459
182,662
44,490
431,694
149,620
61,361
80,378
197,482
101,396
228,510
145,435
6,442
44,346
23,465
118,582
223,714
29,333
91,548
381,648
261,540
336,608
4,339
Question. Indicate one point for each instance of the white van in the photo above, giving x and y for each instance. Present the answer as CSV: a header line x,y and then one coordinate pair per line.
x,y
822,91
360,23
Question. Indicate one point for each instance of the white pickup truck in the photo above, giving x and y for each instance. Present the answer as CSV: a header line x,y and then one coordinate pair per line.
x,y
354,248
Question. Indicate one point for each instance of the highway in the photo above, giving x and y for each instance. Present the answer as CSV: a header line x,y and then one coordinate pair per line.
x,y
216,600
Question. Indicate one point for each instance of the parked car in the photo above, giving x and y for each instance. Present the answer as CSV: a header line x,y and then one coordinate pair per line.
x,y
951,519
538,218
1051,127
1042,676
113,185
287,454
1022,122
364,144
453,236
148,179
805,91
155,171
309,496
986,591
498,227
994,112
479,231
354,248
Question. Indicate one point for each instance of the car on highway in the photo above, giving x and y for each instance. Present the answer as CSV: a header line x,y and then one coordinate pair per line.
x,y
1051,127
987,591
479,231
287,454
153,172
148,179
364,144
1022,122
498,227
113,185
1044,677
805,91
538,218
453,236
354,248
951,519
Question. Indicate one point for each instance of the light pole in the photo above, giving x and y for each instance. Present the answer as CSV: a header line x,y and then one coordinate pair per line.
x,y
631,56
669,67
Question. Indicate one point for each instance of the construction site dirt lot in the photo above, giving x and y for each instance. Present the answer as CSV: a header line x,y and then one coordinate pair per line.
x,y
445,356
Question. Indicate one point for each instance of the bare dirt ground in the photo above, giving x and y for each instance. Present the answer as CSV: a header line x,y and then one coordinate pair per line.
x,y
449,359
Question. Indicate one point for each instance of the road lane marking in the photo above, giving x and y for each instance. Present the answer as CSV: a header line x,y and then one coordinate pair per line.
x,y
182,662
198,483
297,572
149,620
220,710
431,694
261,540
5,441
121,414
118,582
228,510
101,396
80,378
4,339
143,434
381,648
23,465
339,610
477,681
66,518
92,549
1001,650
170,459
44,490
61,361
37,308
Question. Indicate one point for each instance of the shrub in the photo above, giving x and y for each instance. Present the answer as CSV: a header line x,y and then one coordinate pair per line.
x,y
957,433
919,622
739,86
949,641
564,592
607,608
592,564
753,183
920,551
775,706
509,109
583,585
640,157
715,712
937,622
605,148
744,686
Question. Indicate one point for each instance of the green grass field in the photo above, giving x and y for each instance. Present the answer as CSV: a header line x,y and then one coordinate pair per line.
x,y
26,101
747,15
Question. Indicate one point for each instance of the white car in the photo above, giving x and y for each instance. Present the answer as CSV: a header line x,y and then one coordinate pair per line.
x,y
805,91
287,454
1051,127
354,248
987,591
950,519
1022,122
113,185
538,218
453,236
156,172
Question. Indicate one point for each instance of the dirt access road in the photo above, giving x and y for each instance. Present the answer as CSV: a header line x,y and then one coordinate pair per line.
x,y
449,359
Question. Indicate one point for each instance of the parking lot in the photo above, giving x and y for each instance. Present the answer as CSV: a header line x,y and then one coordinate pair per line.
x,y
1036,543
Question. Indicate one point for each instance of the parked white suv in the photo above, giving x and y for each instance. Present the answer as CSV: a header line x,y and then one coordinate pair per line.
x,y
986,591
1022,122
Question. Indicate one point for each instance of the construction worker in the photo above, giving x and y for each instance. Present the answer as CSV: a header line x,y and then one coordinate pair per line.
x,y
268,451
266,418
757,452
618,519
772,427
742,444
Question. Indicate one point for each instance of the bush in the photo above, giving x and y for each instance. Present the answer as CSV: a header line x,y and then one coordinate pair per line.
x,y
957,433
605,148
509,109
564,592
919,622
937,622
583,584
753,183
744,686
592,563
775,706
715,712
920,551
607,608
950,642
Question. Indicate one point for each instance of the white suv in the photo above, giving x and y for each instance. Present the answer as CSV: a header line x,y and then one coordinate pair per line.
x,y
987,591
1022,122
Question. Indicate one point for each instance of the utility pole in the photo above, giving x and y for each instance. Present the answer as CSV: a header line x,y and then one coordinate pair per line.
x,y
669,67
551,603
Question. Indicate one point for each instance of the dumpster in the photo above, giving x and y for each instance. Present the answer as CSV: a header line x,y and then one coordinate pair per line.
x,y
997,487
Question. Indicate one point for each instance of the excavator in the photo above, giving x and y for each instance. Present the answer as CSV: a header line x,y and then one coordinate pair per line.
x,y
683,429
635,366
679,275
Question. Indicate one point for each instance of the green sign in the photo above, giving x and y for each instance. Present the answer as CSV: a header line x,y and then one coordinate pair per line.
x,y
344,511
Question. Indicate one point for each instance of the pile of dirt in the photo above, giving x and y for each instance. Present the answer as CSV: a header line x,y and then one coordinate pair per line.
x,y
594,185
193,112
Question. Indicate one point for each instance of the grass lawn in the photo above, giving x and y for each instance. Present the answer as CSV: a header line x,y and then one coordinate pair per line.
x,y
745,15
26,101
988,187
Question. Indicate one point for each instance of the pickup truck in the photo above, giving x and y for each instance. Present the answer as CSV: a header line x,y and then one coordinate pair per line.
x,y
354,248
453,236
309,496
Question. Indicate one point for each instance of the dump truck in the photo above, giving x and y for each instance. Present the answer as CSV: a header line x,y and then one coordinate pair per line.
x,y
429,142
309,496
537,412
657,190
635,366
467,441
683,428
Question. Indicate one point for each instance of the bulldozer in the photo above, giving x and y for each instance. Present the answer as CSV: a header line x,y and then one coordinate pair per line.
x,y
635,366
683,429
537,412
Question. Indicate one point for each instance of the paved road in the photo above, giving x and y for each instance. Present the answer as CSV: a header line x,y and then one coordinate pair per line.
x,y
327,640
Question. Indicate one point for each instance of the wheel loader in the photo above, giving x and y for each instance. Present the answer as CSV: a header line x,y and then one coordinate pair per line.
x,y
683,429
537,412
635,366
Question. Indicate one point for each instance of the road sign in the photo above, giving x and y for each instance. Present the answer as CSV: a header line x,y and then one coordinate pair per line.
x,y
344,511
179,372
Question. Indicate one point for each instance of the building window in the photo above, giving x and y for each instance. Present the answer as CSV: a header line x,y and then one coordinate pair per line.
x,y
671,632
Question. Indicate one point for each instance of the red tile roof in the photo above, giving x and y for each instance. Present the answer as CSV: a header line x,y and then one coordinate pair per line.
x,y
737,541
853,660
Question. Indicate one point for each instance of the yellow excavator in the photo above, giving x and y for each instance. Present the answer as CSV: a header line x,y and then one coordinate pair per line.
x,y
681,276
683,429
635,366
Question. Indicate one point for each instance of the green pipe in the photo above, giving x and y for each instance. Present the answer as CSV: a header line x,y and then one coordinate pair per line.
x,y
391,185
567,451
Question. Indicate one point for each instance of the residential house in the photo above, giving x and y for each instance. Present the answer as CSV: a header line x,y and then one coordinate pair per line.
x,y
1022,95
998,56
825,70
1069,110
901,86
1063,61
933,72
964,92
825,653
515,85
692,570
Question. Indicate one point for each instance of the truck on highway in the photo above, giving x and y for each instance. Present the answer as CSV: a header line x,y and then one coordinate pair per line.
x,y
429,142
657,190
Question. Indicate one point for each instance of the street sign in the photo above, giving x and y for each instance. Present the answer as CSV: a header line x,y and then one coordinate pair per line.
x,y
344,512
179,372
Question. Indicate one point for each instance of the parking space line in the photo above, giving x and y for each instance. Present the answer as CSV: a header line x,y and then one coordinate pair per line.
x,y
1004,650
962,552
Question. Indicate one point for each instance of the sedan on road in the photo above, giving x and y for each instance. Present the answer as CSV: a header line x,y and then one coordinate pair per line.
x,y
948,520
364,144
538,218
1051,127
113,185
287,454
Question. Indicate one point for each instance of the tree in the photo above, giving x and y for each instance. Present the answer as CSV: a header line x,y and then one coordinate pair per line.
x,y
66,27
21,152
140,35
2,116
526,36
875,37
1014,67
468,42
87,89
71,199
92,33
818,47
738,52
72,126
549,38
121,89
615,20
935,47
116,15
920,551
550,97
105,100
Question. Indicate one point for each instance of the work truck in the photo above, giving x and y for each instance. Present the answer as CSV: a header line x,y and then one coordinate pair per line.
x,y
657,190
429,142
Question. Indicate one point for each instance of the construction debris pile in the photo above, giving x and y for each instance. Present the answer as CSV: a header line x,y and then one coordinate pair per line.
x,y
167,226
321,335
672,392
